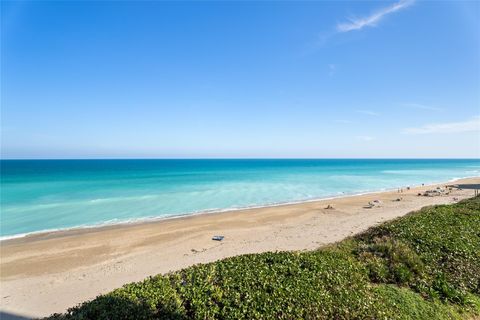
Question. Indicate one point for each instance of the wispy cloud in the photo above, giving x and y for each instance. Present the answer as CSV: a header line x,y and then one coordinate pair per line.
x,y
343,121
449,127
373,19
331,69
368,112
365,138
421,107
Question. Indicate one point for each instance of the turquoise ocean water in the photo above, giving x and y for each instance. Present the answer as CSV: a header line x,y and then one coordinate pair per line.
x,y
40,195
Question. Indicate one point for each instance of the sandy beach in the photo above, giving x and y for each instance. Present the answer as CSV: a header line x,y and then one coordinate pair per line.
x,y
47,273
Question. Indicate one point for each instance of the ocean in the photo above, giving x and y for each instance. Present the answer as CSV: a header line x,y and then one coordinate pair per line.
x,y
46,195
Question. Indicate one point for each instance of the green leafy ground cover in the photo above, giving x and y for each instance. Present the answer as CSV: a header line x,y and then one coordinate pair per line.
x,y
425,265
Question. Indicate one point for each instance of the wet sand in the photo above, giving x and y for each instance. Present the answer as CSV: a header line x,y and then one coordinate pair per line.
x,y
46,273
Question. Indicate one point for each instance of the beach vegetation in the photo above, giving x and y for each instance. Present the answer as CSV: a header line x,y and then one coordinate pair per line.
x,y
425,265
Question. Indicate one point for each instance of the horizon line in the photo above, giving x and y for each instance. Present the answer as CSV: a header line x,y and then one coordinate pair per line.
x,y
254,158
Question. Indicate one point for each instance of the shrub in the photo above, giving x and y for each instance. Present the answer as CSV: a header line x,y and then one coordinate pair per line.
x,y
424,265
435,251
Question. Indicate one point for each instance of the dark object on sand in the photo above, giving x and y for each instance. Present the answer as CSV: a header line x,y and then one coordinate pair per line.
x,y
433,193
329,207
218,238
471,186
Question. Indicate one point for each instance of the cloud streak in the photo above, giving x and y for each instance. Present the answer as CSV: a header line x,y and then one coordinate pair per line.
x,y
368,112
343,121
421,107
373,19
470,125
365,138
331,69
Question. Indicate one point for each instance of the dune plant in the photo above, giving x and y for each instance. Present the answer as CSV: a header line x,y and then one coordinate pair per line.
x,y
425,265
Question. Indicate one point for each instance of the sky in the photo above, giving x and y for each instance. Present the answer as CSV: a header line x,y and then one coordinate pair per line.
x,y
316,79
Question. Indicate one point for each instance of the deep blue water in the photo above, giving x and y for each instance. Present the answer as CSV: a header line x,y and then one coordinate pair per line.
x,y
38,195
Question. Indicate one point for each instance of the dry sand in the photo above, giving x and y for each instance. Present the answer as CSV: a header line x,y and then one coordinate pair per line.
x,y
50,272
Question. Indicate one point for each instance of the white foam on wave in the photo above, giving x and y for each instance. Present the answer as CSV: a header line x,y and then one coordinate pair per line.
x,y
29,207
118,222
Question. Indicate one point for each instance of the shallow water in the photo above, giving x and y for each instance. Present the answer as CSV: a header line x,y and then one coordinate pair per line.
x,y
39,195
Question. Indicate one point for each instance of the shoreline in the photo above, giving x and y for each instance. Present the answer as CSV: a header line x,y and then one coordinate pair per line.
x,y
48,273
146,220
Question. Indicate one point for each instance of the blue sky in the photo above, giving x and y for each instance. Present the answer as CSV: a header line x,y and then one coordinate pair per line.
x,y
240,79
